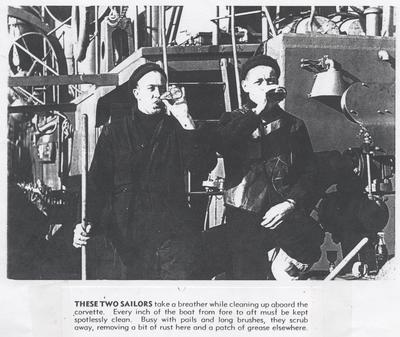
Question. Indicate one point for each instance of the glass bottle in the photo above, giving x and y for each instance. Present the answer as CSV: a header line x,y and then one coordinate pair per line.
x,y
277,94
331,256
173,93
381,252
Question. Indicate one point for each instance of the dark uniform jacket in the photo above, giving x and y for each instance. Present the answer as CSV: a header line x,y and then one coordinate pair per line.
x,y
139,181
280,140
268,159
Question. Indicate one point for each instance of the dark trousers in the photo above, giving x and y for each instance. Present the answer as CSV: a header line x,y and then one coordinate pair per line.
x,y
299,236
249,244
174,259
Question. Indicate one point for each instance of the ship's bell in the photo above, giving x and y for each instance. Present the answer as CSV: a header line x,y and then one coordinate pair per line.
x,y
328,88
328,84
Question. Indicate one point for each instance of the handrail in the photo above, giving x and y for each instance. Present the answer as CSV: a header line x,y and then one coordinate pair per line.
x,y
236,15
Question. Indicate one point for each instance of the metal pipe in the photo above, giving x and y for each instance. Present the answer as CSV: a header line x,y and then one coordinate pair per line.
x,y
372,21
96,42
171,23
44,69
92,38
278,12
29,72
28,95
189,186
387,21
76,90
235,59
199,83
346,260
224,76
162,16
312,15
270,22
206,192
155,26
164,44
136,28
367,143
59,26
84,144
42,12
148,26
177,22
264,25
236,15
29,81
215,32
369,178
56,96
36,58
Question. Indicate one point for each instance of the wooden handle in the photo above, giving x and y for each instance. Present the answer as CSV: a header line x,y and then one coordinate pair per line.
x,y
346,260
84,143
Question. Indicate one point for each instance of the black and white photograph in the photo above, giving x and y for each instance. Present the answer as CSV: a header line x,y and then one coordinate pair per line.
x,y
201,142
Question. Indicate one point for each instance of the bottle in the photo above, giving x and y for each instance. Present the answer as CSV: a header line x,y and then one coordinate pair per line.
x,y
276,95
381,252
173,93
331,256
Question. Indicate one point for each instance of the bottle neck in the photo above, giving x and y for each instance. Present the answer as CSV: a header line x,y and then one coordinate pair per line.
x,y
381,238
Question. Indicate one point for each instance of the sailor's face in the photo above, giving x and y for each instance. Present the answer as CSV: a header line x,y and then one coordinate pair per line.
x,y
148,91
259,80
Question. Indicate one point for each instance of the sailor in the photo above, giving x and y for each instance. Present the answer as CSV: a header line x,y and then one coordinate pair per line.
x,y
138,172
270,175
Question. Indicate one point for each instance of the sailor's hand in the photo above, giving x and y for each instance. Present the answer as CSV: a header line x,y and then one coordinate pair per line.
x,y
81,235
276,214
261,102
179,109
